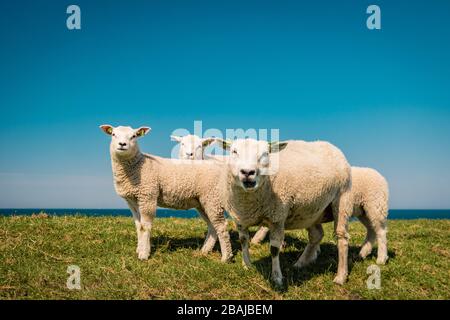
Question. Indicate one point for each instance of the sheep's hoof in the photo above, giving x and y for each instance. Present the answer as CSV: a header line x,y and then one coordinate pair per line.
x,y
143,255
204,252
305,261
206,249
340,279
226,259
247,266
363,255
301,264
382,260
277,280
364,252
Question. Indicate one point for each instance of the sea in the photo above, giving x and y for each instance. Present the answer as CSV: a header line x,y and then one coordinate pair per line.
x,y
397,214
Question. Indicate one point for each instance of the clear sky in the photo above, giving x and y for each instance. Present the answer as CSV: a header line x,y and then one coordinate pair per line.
x,y
309,68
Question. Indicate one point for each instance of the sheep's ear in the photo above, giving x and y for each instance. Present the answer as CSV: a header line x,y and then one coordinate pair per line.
x,y
142,131
176,138
207,141
107,129
225,144
277,146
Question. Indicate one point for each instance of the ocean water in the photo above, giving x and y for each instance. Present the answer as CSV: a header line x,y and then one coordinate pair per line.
x,y
166,213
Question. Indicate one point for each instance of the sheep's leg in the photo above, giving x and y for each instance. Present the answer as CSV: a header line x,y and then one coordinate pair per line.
x,y
276,240
367,246
244,239
219,225
225,242
312,250
210,240
381,231
342,210
137,221
147,211
211,236
260,235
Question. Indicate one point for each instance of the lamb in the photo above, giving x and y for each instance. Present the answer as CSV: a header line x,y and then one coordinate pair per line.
x,y
146,181
370,205
192,146
370,197
308,178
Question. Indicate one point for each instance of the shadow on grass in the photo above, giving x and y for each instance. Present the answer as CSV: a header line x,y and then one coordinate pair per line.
x,y
167,243
326,262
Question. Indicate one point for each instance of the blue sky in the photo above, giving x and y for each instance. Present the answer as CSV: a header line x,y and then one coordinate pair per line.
x,y
311,69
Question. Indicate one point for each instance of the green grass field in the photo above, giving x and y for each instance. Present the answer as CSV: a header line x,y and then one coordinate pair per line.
x,y
36,251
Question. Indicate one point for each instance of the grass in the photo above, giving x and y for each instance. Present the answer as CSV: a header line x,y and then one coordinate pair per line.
x,y
36,251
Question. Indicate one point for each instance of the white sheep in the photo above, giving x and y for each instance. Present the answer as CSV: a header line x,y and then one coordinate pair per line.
x,y
192,146
370,196
147,181
307,177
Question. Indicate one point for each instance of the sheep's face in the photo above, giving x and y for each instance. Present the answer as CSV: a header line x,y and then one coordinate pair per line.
x,y
249,160
124,139
192,146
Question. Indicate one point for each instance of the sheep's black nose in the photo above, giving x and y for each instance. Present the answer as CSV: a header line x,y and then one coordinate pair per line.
x,y
248,172
122,144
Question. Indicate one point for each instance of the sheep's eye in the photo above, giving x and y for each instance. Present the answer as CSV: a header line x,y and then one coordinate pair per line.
x,y
134,136
113,134
234,151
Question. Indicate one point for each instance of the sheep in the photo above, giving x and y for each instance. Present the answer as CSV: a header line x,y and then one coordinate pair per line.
x,y
370,197
192,146
369,194
146,181
370,206
310,177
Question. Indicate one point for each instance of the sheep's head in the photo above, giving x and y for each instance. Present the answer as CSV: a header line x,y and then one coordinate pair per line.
x,y
192,146
249,160
124,139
